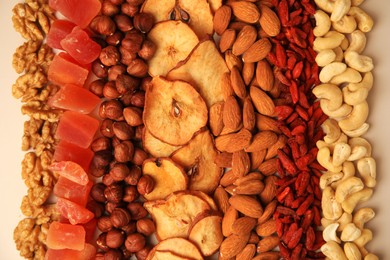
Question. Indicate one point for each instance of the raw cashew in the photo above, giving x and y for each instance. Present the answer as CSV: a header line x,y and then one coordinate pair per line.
x,y
348,170
326,5
358,62
344,44
352,251
357,2
367,169
339,54
348,76
326,222
361,196
347,187
359,141
325,57
333,251
344,220
367,82
358,131
350,233
340,8
322,23
342,139
332,130
329,233
362,216
357,153
324,158
354,97
356,118
328,178
347,24
329,92
358,41
341,112
341,153
365,22
331,209
331,70
330,40
364,238
371,257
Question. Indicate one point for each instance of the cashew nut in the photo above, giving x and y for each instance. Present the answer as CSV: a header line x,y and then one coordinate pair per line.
x,y
362,216
331,70
322,23
365,22
348,76
367,169
324,158
333,251
325,57
359,141
347,24
329,233
367,82
358,62
348,170
341,112
359,131
371,257
352,251
328,178
326,222
340,8
357,2
331,209
344,44
361,196
354,97
330,40
364,238
342,139
332,130
326,5
357,153
350,233
344,220
347,187
341,153
356,118
339,54
358,41
329,92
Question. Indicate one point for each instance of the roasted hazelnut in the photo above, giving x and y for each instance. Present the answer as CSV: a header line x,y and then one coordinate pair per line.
x,y
124,151
114,193
145,226
126,253
135,242
115,238
120,217
126,98
100,41
139,156
96,87
138,99
139,130
104,223
125,83
96,208
100,144
115,71
110,91
133,116
99,256
145,185
143,253
131,194
148,49
135,2
101,242
119,171
111,109
99,69
117,2
137,68
122,130
114,39
130,228
143,22
113,254
115,141
109,56
110,206
100,161
106,128
136,210
134,175
129,9
123,22
97,192
127,55
109,8
133,41
108,180
146,83
103,25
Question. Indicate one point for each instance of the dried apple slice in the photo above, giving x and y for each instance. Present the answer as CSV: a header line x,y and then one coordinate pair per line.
x,y
156,147
179,246
165,255
174,216
198,159
206,233
174,41
168,177
161,10
215,4
173,111
206,198
204,68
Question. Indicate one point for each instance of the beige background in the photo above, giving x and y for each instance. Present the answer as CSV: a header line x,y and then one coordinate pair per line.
x,y
11,124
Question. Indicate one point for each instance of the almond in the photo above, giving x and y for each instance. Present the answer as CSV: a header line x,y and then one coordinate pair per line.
x,y
216,118
267,244
262,140
273,150
247,205
247,253
229,218
267,228
232,115
233,142
248,71
262,102
248,114
252,187
268,212
269,167
245,11
243,225
226,85
257,158
264,75
258,51
264,123
238,84
228,178
253,176
233,245
269,192
227,39
221,198
269,21
245,38
254,238
224,160
241,163
222,19
232,60
267,256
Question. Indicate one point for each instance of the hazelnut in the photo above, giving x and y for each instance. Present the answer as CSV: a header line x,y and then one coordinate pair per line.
x,y
106,128
96,208
115,238
139,156
109,56
109,8
129,9
124,151
96,87
130,228
133,41
126,253
101,242
100,41
97,192
115,141
114,193
148,49
145,185
96,172
119,171
110,91
120,217
104,223
126,98
139,130
100,161
135,242
122,130
100,144
113,254
143,22
137,68
125,83
131,194
123,22
135,2
127,55
138,99
136,210
115,71
111,109
103,25
110,206
99,69
134,175
145,226
99,256
114,39
143,253
146,83
108,180
133,116
117,2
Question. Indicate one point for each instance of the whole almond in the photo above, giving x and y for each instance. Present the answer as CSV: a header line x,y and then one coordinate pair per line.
x,y
264,123
254,238
224,160
269,167
257,158
268,3
252,187
238,84
233,142
252,176
216,118
269,21
245,11
241,163
245,38
227,39
267,256
267,228
228,178
233,245
247,205
264,75
228,219
258,51
247,253
243,225
267,244
262,102
262,140
248,114
273,150
248,71
232,115
268,212
269,192
226,85
237,26
221,198
232,60
222,19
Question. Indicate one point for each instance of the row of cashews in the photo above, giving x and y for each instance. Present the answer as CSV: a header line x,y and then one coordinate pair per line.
x,y
351,171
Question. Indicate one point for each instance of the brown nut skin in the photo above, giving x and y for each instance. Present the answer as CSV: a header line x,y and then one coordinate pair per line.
x,y
99,256
109,8
130,10
115,38
130,228
104,224
101,242
136,210
107,180
110,206
124,151
110,91
139,155
114,193
146,226
133,116
135,242
120,217
135,2
123,22
97,192
143,22
100,163
103,25
119,171
148,49
122,130
134,175
96,87
101,144
127,55
139,132
109,56
117,2
131,194
96,208
133,41
115,71
113,254
137,68
112,109
143,253
115,238
138,99
145,185
99,69
125,83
